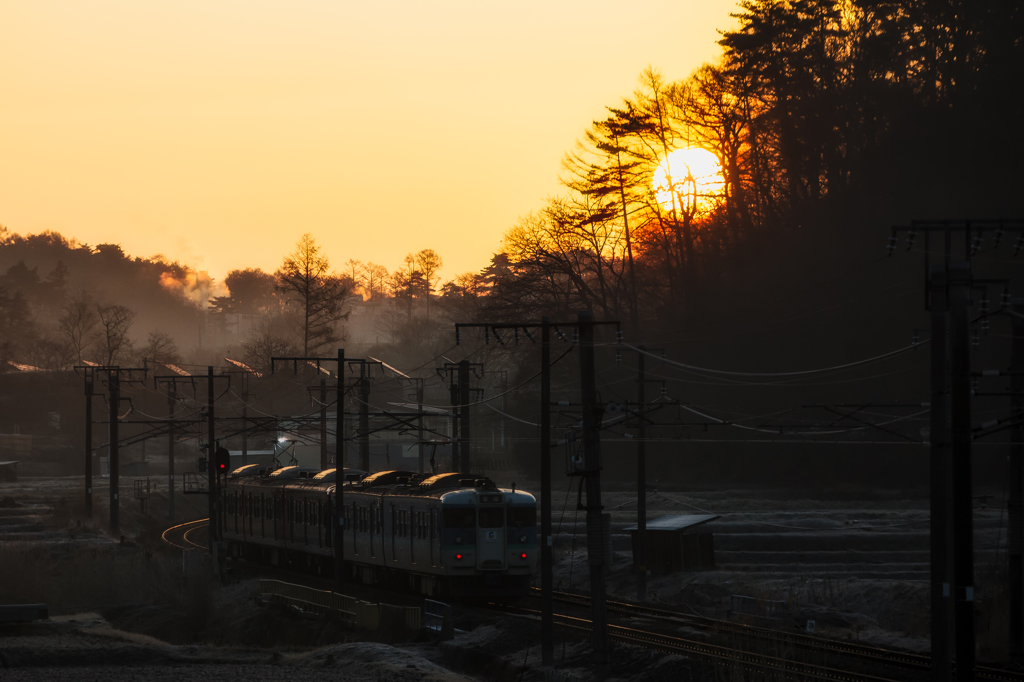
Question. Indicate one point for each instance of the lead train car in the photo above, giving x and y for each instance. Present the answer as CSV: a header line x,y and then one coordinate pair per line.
x,y
450,534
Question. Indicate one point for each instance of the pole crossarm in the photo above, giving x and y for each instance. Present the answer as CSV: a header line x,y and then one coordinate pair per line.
x,y
494,327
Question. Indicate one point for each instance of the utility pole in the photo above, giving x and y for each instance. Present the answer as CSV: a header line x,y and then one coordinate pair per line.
x,y
960,422
466,462
170,454
641,482
592,414
115,400
211,466
324,464
547,626
88,442
1015,538
940,483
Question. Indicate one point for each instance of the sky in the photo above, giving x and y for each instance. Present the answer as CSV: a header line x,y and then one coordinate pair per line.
x,y
217,132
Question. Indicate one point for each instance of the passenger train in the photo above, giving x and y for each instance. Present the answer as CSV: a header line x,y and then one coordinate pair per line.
x,y
446,535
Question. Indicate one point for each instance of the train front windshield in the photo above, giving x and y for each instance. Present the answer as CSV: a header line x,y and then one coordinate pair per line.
x,y
491,517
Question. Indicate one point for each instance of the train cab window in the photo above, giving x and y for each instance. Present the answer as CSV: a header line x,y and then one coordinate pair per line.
x,y
458,518
491,517
522,517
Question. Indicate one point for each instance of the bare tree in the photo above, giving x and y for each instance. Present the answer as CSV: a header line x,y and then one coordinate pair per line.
x,y
264,346
316,293
160,347
112,337
77,323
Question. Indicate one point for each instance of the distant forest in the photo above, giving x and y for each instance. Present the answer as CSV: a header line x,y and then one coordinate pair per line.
x,y
831,121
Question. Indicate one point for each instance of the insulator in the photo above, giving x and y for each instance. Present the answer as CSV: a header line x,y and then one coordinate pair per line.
x,y
515,333
976,244
560,334
618,357
911,236
892,244
974,385
664,390
575,335
487,335
917,339
983,306
1019,244
618,336
1004,298
456,336
976,340
997,238
984,325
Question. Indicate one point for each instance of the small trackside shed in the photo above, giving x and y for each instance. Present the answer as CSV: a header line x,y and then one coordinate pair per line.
x,y
678,543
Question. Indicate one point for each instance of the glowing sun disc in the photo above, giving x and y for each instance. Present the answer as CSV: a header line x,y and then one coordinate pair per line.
x,y
695,174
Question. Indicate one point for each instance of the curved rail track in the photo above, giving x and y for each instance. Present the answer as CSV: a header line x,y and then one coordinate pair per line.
x,y
797,640
178,536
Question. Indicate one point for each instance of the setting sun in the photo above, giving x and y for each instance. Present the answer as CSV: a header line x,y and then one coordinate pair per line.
x,y
688,176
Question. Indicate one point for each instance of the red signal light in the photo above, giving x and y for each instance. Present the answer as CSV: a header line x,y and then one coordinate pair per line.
x,y
524,555
459,557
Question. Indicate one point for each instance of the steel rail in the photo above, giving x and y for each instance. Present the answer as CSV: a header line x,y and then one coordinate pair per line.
x,y
188,526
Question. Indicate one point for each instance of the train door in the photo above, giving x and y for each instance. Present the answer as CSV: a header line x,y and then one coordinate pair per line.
x,y
490,538
414,533
433,537
280,517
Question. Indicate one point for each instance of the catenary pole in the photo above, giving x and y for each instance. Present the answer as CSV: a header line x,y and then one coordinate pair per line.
x,y
364,418
88,442
419,424
339,475
113,464
211,467
940,483
1015,539
960,431
592,413
547,628
641,481
323,424
170,453
466,464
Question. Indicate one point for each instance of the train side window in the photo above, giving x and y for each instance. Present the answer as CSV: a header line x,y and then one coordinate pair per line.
x,y
458,518
378,517
491,517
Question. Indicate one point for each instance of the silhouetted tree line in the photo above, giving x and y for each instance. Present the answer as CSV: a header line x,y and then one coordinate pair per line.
x,y
821,114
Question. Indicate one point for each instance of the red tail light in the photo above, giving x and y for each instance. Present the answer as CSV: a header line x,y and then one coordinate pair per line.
x,y
524,555
459,557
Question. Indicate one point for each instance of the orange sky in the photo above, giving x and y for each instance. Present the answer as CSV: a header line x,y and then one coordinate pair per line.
x,y
217,132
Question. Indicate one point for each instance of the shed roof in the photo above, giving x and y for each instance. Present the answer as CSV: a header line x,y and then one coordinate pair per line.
x,y
677,521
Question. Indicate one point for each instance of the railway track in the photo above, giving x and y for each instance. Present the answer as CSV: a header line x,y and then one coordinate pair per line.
x,y
179,536
797,640
757,665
